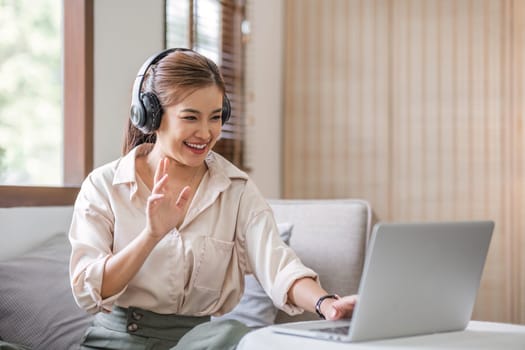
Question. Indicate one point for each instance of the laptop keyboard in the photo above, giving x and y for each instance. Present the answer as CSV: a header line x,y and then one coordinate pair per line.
x,y
343,330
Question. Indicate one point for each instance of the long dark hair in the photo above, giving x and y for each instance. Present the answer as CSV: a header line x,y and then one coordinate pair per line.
x,y
173,78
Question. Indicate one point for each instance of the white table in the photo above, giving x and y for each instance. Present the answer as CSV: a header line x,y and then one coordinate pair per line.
x,y
478,335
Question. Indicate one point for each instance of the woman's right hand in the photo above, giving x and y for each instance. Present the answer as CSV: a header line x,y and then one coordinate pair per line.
x,y
165,209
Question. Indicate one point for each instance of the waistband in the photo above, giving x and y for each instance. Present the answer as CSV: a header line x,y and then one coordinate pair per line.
x,y
146,323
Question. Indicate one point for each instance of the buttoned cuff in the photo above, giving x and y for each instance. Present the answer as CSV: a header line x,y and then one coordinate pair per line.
x,y
93,282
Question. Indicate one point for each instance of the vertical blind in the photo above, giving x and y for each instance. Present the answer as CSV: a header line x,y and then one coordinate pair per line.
x,y
418,107
213,28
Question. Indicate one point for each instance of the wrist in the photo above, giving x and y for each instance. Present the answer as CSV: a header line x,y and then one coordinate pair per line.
x,y
322,304
149,238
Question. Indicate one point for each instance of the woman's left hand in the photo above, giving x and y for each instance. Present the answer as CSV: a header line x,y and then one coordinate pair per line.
x,y
335,309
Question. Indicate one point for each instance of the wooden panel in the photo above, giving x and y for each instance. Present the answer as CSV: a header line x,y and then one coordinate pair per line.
x,y
25,196
78,90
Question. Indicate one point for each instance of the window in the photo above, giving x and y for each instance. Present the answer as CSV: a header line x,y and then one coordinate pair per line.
x,y
213,28
31,92
77,106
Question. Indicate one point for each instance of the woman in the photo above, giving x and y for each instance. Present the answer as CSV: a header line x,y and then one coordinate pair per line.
x,y
162,237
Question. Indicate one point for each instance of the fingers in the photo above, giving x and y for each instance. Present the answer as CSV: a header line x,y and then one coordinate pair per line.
x,y
157,187
343,307
154,199
165,165
160,183
155,196
349,299
156,193
161,170
158,172
184,196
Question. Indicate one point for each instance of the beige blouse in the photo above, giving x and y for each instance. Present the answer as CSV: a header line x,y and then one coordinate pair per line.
x,y
229,231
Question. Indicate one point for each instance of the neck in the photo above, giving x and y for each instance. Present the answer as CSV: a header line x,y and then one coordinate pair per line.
x,y
176,170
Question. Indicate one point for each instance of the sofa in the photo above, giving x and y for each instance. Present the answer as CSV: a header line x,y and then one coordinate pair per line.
x,y
37,309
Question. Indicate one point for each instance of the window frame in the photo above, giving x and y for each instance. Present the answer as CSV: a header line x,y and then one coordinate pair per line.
x,y
78,114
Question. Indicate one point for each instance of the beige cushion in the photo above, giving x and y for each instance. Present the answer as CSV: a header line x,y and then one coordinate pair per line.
x,y
330,236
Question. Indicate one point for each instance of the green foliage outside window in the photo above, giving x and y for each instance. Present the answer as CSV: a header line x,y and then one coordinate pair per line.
x,y
31,117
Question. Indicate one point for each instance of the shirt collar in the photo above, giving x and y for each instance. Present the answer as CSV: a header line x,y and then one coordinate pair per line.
x,y
221,173
126,171
220,170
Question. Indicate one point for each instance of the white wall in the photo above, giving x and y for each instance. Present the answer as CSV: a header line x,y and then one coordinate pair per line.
x,y
264,108
129,31
126,33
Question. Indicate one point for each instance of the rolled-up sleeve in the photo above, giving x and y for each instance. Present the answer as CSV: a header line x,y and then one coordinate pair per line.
x,y
275,265
91,237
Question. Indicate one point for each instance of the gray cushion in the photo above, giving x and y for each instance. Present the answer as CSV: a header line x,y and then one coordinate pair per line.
x,y
330,236
37,308
256,309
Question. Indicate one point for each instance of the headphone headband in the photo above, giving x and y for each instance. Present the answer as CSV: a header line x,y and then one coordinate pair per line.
x,y
152,60
146,110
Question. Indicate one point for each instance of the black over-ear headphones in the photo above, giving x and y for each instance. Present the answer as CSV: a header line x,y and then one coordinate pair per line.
x,y
146,110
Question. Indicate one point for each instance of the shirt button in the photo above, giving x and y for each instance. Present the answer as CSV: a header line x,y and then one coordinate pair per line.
x,y
132,327
136,316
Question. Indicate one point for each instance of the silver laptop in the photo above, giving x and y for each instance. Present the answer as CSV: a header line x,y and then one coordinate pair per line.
x,y
418,278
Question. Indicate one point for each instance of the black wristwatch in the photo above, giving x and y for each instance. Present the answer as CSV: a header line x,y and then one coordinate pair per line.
x,y
318,304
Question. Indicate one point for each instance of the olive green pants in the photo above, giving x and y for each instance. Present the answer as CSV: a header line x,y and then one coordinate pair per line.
x,y
137,329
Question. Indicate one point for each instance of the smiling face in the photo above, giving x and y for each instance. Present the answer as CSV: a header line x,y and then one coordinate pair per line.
x,y
190,128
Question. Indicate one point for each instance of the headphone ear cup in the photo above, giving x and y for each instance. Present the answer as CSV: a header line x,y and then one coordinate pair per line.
x,y
138,115
226,109
153,111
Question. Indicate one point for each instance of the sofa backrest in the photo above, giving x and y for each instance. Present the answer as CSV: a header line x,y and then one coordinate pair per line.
x,y
331,237
24,228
